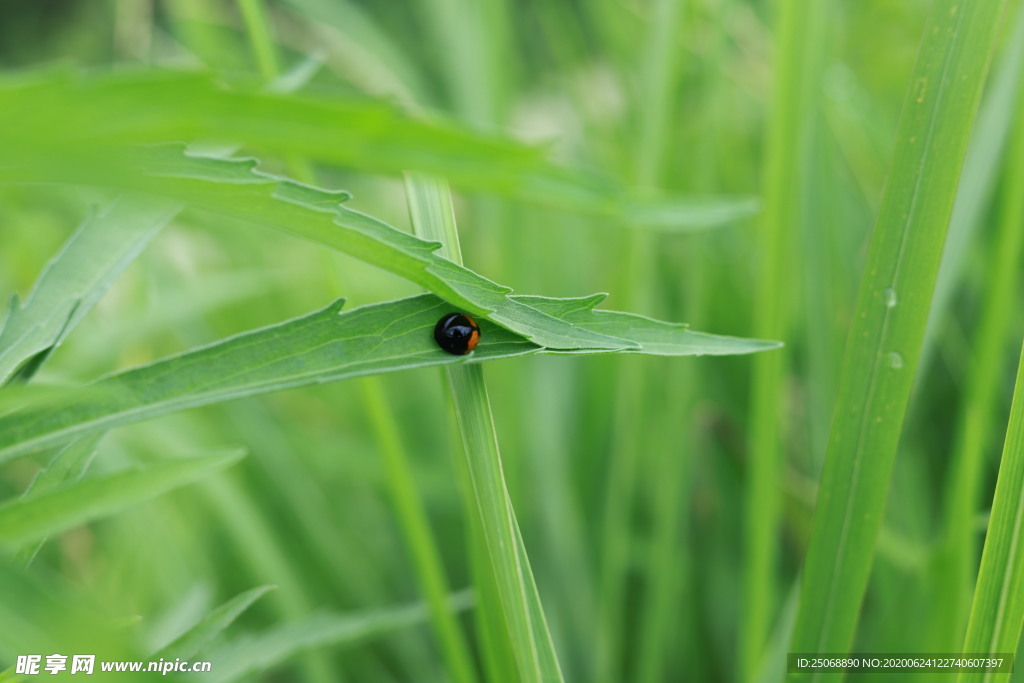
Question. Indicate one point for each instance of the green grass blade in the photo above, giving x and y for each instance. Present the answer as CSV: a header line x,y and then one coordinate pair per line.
x,y
890,316
524,616
957,557
786,177
39,515
433,215
980,175
92,258
997,614
773,660
320,347
652,337
262,45
48,116
249,655
212,625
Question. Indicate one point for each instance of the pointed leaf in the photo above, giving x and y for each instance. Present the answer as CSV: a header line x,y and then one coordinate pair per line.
x,y
71,284
320,347
233,187
997,614
193,640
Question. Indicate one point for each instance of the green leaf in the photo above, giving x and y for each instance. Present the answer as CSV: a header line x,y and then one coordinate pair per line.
x,y
235,188
889,320
653,337
320,347
989,143
68,465
193,640
997,614
956,562
47,116
792,150
242,659
39,515
94,256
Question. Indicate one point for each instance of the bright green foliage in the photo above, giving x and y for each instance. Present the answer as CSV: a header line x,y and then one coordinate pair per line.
x,y
194,639
890,317
956,561
86,117
637,514
433,215
105,244
321,347
997,615
235,188
792,129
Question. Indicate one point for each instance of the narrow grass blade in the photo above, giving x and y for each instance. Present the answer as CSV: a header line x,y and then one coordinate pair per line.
x,y
433,215
320,347
527,627
249,655
92,258
956,560
258,32
40,515
890,317
997,614
773,659
980,175
197,637
787,187
657,61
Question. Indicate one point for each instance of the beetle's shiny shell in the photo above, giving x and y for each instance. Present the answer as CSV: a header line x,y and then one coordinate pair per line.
x,y
457,333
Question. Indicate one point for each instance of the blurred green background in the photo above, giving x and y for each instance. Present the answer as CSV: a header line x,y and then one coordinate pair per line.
x,y
629,475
